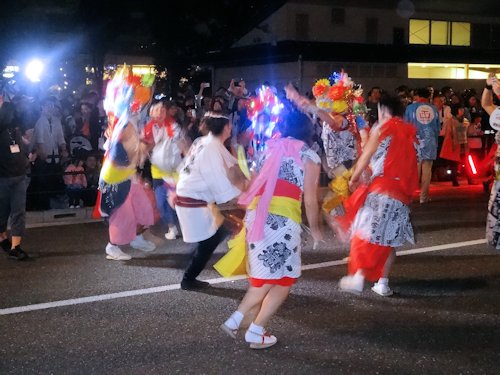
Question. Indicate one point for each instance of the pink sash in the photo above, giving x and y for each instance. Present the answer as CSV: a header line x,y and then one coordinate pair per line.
x,y
266,181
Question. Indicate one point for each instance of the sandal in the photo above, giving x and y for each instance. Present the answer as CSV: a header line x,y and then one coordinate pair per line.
x,y
351,284
230,332
267,341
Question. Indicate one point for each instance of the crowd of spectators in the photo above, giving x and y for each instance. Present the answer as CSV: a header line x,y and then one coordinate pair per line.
x,y
65,134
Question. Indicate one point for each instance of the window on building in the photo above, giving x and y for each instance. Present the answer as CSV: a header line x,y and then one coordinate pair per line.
x,y
450,71
419,31
439,33
460,34
338,16
443,33
302,26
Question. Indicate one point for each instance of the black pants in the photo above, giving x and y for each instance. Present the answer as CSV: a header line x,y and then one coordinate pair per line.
x,y
203,252
46,182
454,172
74,195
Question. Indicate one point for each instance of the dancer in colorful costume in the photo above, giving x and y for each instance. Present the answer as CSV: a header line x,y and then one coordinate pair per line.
x,y
168,145
493,219
377,217
271,238
122,198
341,108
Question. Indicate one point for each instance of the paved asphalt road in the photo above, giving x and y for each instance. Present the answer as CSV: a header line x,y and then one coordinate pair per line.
x,y
71,311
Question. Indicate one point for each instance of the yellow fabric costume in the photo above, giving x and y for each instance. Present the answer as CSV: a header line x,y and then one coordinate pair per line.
x,y
234,262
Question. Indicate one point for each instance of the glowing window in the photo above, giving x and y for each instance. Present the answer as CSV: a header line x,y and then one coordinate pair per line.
x,y
450,71
419,31
143,69
439,33
460,34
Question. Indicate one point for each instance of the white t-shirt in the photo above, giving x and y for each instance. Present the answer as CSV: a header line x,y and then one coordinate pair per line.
x,y
203,176
49,134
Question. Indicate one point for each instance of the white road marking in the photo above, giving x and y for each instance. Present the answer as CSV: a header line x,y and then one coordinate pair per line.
x,y
164,288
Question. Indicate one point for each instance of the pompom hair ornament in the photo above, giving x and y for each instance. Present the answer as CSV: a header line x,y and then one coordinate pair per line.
x,y
321,87
338,94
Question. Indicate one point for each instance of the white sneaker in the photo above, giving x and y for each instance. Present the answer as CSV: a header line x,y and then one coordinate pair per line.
x,y
71,206
113,252
382,290
140,243
172,233
352,284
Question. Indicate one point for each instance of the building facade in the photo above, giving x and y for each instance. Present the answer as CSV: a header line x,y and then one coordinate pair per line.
x,y
379,43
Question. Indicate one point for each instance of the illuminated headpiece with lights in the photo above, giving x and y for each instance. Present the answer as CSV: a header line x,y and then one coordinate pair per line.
x,y
266,102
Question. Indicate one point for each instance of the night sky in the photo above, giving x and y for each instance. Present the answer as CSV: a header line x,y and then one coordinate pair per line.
x,y
183,30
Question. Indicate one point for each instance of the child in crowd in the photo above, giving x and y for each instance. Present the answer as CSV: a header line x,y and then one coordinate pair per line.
x,y
92,170
75,181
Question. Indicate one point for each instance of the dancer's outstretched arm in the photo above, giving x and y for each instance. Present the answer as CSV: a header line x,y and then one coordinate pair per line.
x,y
305,105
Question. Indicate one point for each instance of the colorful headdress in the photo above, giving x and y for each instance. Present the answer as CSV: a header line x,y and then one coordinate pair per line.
x,y
340,95
266,102
126,95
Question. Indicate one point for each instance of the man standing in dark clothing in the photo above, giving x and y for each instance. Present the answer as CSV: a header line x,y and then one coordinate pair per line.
x,y
372,104
12,182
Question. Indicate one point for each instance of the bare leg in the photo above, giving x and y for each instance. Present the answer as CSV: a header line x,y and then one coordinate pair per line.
x,y
388,264
426,176
253,297
140,229
16,240
381,287
271,303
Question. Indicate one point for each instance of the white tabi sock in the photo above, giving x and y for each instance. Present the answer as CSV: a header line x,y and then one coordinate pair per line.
x,y
383,281
254,333
234,321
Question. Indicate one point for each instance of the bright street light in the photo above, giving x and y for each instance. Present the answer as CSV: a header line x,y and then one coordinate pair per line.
x,y
34,69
